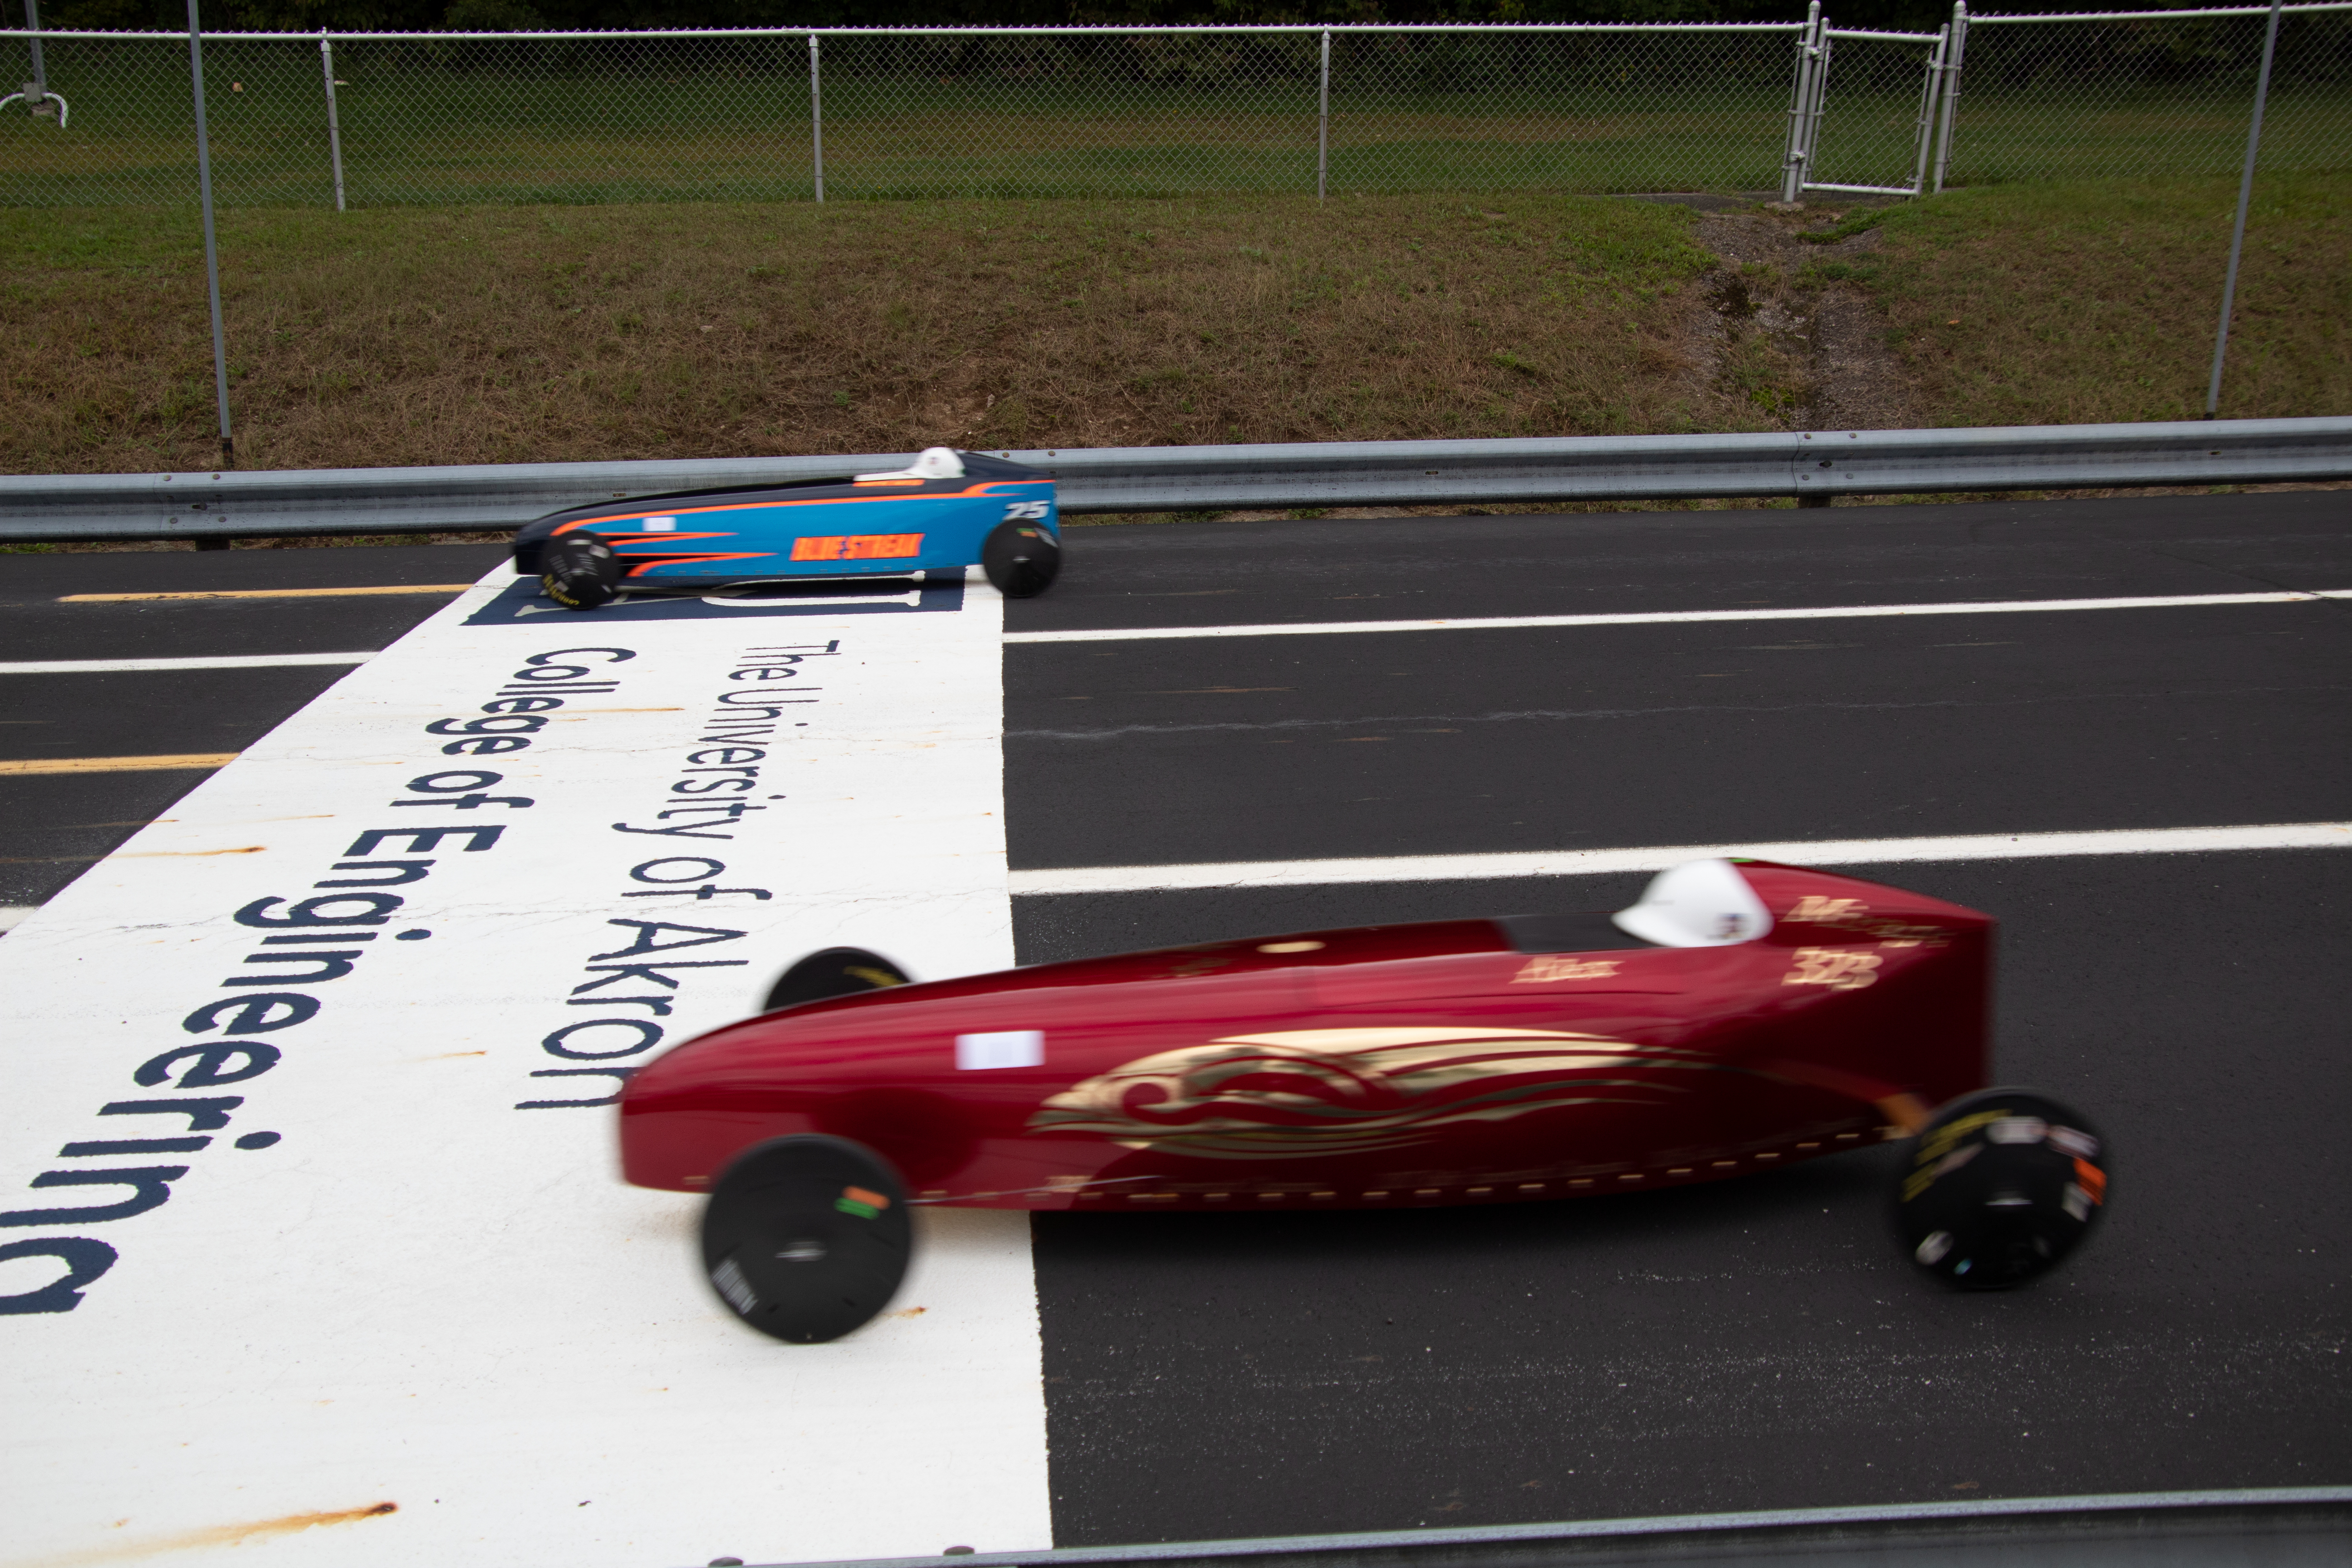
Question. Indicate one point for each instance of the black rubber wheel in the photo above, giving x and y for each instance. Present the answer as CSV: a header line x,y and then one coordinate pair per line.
x,y
580,571
1998,1188
807,1237
1021,559
835,972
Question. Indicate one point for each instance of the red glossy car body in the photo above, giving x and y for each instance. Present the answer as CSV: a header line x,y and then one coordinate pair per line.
x,y
1460,1061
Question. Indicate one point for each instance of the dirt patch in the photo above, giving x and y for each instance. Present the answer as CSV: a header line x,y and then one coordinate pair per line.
x,y
1782,335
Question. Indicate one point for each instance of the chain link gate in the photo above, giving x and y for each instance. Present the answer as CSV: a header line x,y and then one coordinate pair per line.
x,y
1881,124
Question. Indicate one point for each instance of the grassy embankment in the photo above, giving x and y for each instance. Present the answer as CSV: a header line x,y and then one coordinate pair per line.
x,y
511,333
408,335
2084,304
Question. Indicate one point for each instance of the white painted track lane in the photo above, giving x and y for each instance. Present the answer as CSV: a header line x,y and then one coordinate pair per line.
x,y
1599,862
1674,617
225,662
424,1294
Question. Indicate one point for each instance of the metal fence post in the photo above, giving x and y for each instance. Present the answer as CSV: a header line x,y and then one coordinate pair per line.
x,y
816,121
1799,98
2245,197
212,249
33,27
334,132
1953,56
1323,124
1823,56
1927,107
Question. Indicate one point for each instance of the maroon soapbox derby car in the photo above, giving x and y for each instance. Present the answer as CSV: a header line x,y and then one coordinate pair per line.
x,y
1738,1018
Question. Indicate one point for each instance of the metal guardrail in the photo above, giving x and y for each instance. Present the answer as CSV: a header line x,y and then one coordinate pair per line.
x,y
1810,466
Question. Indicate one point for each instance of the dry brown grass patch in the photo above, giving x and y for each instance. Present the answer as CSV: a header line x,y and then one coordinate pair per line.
x,y
558,333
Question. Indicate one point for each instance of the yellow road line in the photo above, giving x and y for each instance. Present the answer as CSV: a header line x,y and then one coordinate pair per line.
x,y
193,759
267,594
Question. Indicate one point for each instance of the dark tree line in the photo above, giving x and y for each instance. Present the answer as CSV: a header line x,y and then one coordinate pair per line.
x,y
424,15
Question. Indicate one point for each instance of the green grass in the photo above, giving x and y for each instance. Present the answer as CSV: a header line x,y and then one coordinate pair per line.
x,y
434,138
440,124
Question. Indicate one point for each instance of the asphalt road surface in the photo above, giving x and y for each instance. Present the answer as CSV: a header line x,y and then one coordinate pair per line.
x,y
1751,1344
54,825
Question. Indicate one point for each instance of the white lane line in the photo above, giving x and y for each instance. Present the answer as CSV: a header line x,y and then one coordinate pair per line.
x,y
1668,617
267,594
1596,862
222,661
12,913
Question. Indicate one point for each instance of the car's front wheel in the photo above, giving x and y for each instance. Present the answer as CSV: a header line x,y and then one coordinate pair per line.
x,y
834,972
580,571
1998,1188
807,1237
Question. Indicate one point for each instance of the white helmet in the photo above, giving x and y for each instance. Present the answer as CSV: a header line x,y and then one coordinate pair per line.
x,y
1699,904
936,463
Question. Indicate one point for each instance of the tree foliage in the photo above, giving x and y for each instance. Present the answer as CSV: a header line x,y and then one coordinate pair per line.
x,y
422,15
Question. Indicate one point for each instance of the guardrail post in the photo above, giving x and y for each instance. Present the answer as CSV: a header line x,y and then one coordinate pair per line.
x,y
212,247
1953,56
334,132
816,121
2245,197
1323,123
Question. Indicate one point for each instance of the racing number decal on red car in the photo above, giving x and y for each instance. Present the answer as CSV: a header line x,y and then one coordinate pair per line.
x,y
859,547
1839,968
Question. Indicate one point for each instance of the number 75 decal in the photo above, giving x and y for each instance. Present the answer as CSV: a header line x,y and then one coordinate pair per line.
x,y
1022,510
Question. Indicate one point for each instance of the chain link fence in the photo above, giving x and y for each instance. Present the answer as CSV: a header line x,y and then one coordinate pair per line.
x,y
989,114
2149,95
783,116
744,116
1630,109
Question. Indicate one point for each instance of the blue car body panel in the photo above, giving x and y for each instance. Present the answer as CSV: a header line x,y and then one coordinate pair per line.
x,y
818,528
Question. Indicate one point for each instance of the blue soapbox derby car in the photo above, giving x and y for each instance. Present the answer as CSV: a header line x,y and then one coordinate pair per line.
x,y
949,510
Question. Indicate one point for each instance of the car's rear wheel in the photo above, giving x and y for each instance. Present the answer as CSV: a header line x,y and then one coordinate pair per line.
x,y
580,571
834,972
807,1237
1021,559
1998,1188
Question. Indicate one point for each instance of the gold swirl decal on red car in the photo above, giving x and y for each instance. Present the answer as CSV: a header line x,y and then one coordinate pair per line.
x,y
1853,915
1549,967
1311,1092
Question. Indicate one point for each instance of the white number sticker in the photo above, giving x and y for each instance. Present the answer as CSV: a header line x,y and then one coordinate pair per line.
x,y
1024,511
